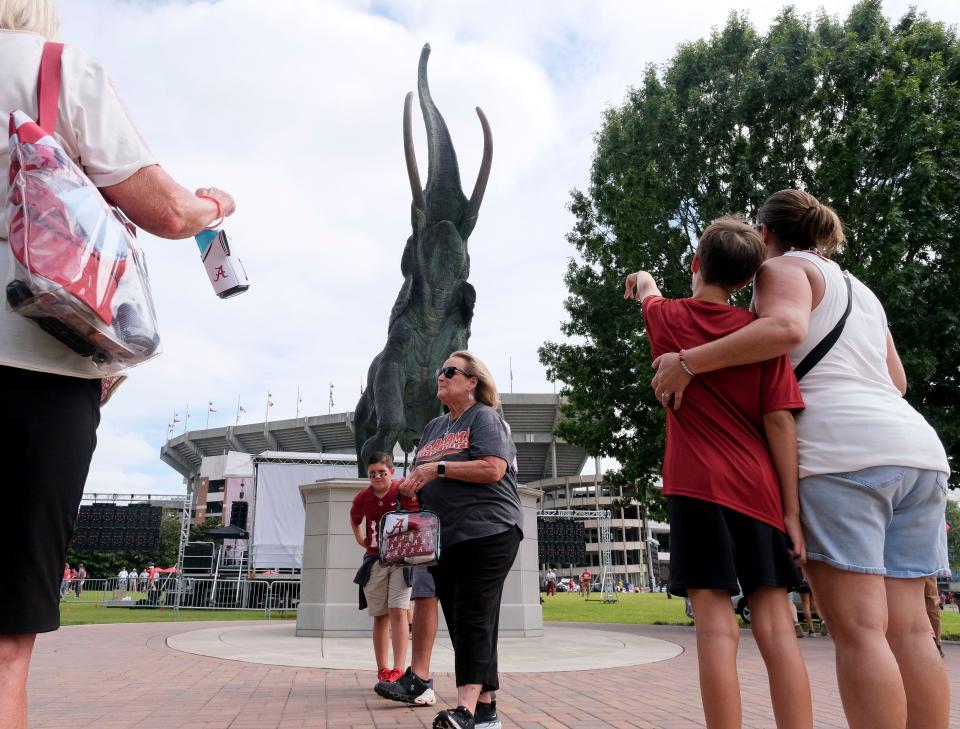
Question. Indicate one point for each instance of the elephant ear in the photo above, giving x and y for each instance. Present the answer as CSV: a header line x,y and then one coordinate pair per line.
x,y
469,299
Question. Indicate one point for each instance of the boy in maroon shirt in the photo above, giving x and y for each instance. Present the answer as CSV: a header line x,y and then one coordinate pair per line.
x,y
385,588
730,478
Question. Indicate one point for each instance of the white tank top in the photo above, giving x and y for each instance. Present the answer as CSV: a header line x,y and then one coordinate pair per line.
x,y
855,417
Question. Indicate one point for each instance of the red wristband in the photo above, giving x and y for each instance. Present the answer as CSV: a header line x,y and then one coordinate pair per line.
x,y
219,219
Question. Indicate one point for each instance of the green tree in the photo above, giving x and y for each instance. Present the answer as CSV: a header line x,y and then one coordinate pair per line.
x,y
862,113
198,532
953,537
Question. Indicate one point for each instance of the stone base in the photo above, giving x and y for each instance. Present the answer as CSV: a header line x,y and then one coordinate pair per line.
x,y
331,557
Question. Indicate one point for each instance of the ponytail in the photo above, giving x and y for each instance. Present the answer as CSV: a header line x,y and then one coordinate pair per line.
x,y
799,220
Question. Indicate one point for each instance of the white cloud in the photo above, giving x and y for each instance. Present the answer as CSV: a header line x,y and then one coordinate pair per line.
x,y
295,107
125,463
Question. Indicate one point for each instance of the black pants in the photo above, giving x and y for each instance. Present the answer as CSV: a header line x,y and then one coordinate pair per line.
x,y
48,432
469,582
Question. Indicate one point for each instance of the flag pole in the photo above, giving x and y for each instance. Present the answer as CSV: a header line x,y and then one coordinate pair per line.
x,y
186,418
511,375
266,412
298,401
237,422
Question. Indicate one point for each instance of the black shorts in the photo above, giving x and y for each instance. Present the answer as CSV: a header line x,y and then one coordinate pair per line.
x,y
48,432
716,548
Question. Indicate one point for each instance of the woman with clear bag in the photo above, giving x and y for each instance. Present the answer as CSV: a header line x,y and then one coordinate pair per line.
x,y
52,395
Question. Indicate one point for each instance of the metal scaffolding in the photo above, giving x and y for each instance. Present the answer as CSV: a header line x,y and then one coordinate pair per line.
x,y
608,593
186,516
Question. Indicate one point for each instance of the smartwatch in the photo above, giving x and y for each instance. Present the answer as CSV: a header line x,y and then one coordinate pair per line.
x,y
442,468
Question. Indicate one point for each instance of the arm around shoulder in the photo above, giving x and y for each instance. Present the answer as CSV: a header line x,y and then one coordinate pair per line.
x,y
783,300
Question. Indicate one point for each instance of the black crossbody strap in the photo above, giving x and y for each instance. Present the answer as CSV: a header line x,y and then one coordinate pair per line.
x,y
826,344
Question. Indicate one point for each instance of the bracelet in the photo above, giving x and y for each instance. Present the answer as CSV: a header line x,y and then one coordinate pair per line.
x,y
219,219
683,365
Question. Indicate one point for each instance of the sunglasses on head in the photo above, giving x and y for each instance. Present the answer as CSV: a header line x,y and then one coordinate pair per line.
x,y
449,372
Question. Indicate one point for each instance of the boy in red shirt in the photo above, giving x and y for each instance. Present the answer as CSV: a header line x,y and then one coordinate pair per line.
x,y
730,478
385,588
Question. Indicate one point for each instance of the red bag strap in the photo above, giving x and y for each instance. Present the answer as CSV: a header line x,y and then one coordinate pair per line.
x,y
48,86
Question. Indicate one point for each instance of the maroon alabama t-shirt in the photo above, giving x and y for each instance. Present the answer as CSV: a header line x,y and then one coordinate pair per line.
x,y
716,447
366,505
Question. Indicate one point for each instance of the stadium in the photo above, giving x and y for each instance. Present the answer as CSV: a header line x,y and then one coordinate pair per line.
x,y
257,461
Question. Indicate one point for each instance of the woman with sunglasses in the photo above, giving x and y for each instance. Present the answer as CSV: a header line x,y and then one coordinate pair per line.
x,y
465,471
873,473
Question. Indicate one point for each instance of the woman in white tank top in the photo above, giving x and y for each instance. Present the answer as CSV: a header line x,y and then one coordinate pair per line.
x,y
873,472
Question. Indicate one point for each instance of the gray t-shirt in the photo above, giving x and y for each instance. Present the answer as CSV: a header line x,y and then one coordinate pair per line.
x,y
470,510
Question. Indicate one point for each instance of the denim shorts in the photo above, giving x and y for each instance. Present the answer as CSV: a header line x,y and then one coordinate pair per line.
x,y
885,520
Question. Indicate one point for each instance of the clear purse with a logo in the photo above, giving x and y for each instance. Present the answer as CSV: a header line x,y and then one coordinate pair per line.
x,y
78,272
409,538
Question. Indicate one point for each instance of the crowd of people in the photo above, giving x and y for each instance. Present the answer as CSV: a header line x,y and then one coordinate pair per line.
x,y
789,444
73,577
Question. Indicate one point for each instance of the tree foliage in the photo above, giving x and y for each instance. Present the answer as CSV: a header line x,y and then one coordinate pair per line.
x,y
863,114
953,537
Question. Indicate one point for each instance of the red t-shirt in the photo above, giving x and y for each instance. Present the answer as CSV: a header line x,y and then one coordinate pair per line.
x,y
716,447
366,505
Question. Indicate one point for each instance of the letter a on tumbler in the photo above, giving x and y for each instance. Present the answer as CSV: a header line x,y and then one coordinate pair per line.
x,y
226,272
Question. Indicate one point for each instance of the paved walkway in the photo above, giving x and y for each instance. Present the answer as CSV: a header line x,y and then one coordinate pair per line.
x,y
575,647
128,677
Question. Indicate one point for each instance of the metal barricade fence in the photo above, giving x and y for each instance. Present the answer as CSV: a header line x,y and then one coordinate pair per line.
x,y
195,593
283,596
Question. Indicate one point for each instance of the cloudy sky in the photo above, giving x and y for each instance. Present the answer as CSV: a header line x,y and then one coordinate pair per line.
x,y
295,107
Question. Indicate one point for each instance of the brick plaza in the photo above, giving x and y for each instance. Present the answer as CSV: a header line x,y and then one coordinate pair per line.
x,y
126,677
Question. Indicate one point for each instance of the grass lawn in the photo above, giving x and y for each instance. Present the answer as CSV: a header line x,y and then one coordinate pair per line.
x,y
653,608
647,608
642,608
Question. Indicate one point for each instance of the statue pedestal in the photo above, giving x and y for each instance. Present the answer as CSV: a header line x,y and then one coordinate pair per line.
x,y
331,557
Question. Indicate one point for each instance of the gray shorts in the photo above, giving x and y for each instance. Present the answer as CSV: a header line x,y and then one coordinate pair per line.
x,y
421,584
885,520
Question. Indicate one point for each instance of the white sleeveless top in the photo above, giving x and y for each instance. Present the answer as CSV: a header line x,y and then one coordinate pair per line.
x,y
855,417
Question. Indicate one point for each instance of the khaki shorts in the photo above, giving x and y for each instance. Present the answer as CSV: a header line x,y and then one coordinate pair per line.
x,y
386,589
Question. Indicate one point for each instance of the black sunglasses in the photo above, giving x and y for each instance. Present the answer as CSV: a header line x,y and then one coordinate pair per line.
x,y
449,372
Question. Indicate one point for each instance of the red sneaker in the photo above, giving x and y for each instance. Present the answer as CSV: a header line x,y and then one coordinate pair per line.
x,y
385,674
395,673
